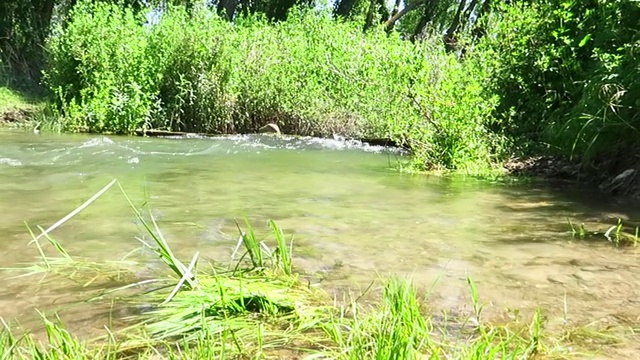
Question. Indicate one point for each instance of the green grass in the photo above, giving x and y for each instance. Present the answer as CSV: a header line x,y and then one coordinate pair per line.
x,y
258,307
21,109
617,234
11,100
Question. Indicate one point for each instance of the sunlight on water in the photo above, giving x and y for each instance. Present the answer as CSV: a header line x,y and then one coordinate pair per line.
x,y
354,218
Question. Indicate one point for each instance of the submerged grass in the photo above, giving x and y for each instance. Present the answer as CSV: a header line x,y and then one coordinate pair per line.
x,y
618,234
258,307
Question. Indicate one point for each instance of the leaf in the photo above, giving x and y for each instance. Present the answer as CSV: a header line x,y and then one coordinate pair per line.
x,y
584,40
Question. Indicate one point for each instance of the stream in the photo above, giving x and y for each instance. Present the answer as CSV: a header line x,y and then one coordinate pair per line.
x,y
353,216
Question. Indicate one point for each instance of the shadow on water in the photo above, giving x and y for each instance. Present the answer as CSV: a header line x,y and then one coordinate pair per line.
x,y
353,218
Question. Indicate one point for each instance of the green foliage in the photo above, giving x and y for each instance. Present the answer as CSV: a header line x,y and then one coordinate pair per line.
x,y
23,27
567,73
606,116
617,234
312,75
453,114
395,330
102,73
560,75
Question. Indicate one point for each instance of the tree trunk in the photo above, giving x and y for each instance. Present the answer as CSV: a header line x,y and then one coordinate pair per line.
x,y
389,24
375,6
227,8
369,20
396,7
344,8
6,25
469,11
427,16
45,10
478,30
280,9
450,35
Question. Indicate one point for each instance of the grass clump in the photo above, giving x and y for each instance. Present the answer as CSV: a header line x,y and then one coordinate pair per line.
x,y
618,234
397,329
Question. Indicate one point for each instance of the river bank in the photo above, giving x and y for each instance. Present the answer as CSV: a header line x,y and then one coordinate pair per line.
x,y
18,109
616,175
509,232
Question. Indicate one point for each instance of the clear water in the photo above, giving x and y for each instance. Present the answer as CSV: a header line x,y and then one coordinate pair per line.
x,y
354,219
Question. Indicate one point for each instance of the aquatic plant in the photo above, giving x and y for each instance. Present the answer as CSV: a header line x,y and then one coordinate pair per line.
x,y
580,232
616,234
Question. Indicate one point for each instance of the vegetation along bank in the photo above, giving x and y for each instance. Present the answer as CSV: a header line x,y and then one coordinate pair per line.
x,y
468,85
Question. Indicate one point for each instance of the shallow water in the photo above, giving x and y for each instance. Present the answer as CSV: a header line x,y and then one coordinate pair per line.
x,y
354,218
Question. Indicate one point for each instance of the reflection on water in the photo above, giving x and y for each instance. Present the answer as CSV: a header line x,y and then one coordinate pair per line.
x,y
340,200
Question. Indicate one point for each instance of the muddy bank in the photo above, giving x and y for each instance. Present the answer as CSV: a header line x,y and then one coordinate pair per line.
x,y
15,116
617,174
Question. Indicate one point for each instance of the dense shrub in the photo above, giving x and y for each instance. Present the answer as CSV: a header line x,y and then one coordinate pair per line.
x,y
568,74
115,72
101,70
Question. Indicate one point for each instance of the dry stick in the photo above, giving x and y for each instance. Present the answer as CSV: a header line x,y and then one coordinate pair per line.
x,y
74,212
427,116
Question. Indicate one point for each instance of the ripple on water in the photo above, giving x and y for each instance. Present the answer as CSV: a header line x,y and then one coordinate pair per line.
x,y
239,143
352,222
303,143
99,141
10,162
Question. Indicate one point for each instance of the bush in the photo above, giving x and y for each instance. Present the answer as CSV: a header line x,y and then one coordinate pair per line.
x,y
114,71
567,74
101,71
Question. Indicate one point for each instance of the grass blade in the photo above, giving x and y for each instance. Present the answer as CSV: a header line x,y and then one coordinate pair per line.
x,y
75,211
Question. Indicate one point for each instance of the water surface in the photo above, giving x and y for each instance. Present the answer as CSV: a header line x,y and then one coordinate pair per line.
x,y
354,219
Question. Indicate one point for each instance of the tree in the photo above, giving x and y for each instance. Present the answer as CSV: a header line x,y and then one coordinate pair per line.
x,y
24,25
